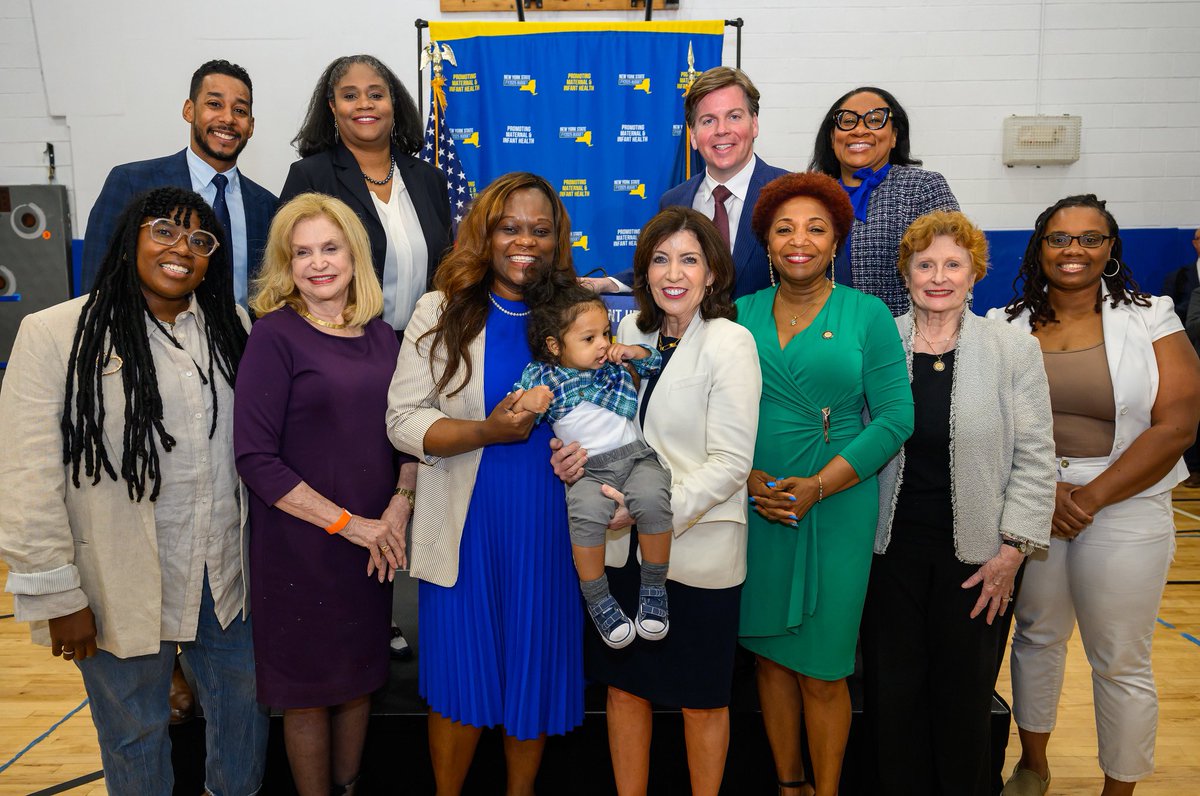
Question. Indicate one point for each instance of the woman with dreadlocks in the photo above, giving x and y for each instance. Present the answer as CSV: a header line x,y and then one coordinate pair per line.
x,y
121,520
1125,394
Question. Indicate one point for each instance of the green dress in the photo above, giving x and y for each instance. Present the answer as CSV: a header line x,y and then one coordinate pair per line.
x,y
803,596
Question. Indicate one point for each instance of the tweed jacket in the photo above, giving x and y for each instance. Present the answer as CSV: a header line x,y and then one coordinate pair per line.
x,y
444,485
702,422
906,194
1129,335
130,179
1001,442
93,540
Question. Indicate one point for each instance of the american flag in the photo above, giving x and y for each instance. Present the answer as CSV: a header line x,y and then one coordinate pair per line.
x,y
440,151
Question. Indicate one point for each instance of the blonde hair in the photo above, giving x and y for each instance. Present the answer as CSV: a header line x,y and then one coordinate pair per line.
x,y
951,223
274,287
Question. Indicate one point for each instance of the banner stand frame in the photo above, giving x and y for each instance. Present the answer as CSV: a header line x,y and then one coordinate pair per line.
x,y
422,24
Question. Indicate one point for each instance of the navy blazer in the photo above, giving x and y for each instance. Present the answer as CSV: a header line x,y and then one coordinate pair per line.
x,y
130,179
749,256
335,172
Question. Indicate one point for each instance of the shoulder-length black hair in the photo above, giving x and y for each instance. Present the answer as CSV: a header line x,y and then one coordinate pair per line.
x,y
826,162
1030,285
318,133
111,340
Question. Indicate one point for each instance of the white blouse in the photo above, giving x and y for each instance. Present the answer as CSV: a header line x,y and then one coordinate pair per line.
x,y
404,265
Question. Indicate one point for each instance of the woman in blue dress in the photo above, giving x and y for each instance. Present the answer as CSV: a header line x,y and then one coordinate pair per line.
x,y
499,606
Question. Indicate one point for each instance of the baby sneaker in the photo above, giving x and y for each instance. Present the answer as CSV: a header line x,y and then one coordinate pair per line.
x,y
653,620
614,626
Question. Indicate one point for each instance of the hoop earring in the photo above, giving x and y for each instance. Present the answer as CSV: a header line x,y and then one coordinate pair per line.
x,y
1116,270
708,291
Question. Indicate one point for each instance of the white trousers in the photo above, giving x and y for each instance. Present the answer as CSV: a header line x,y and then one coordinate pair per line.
x,y
1110,579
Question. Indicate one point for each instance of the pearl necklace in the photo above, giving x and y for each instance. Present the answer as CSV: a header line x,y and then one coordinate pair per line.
x,y
327,324
496,304
385,180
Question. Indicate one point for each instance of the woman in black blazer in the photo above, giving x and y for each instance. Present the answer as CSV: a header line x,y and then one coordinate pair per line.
x,y
357,143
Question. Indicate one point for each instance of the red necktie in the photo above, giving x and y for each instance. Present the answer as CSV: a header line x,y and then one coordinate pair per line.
x,y
720,214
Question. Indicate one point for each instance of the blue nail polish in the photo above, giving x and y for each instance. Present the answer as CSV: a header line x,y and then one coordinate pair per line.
x,y
771,484
792,498
752,499
793,516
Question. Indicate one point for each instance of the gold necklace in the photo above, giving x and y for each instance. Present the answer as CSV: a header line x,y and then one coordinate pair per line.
x,y
328,325
795,318
939,365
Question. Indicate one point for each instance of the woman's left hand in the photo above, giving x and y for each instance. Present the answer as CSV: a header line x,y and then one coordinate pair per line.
x,y
621,517
784,500
396,517
997,576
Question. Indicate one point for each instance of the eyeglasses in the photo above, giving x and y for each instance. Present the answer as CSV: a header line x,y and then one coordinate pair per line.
x,y
166,232
1088,240
874,119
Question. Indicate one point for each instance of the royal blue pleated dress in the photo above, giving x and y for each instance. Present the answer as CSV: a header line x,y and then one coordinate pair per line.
x,y
504,644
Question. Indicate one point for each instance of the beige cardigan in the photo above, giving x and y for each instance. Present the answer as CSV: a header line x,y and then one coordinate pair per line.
x,y
445,485
93,540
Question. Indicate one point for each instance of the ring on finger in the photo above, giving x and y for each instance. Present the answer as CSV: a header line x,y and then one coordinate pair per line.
x,y
383,548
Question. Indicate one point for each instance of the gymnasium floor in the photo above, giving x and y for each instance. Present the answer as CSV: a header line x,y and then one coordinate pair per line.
x,y
47,738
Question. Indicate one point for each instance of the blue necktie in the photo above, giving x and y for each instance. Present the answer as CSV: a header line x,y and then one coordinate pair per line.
x,y
221,208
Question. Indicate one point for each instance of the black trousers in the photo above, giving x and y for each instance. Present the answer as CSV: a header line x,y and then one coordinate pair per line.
x,y
928,672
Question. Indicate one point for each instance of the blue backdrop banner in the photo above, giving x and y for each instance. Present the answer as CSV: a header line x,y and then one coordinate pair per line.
x,y
595,108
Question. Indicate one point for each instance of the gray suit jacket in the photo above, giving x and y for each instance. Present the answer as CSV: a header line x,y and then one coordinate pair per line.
x,y
1002,465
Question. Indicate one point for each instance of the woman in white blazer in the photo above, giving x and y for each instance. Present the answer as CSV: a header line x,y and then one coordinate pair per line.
x,y
965,500
700,415
500,612
1125,391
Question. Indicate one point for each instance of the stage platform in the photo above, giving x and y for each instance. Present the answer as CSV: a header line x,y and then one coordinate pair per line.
x,y
396,758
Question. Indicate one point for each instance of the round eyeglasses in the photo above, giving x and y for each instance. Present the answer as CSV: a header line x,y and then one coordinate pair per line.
x,y
1088,240
166,232
874,119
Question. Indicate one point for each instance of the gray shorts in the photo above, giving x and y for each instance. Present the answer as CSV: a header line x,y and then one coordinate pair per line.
x,y
632,469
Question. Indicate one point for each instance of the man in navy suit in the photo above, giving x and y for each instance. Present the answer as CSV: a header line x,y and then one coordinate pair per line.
x,y
721,110
219,110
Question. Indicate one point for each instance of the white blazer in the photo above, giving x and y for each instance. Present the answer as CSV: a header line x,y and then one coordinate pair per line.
x,y
1129,335
702,422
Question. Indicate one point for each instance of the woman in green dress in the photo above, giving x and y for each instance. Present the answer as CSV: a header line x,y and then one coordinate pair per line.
x,y
827,353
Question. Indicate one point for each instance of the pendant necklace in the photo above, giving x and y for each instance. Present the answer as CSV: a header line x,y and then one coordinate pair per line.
x,y
938,365
804,308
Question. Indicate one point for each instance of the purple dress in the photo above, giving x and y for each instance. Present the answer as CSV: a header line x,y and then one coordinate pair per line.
x,y
310,407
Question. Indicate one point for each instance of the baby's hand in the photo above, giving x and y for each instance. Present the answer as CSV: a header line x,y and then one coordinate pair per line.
x,y
535,399
623,353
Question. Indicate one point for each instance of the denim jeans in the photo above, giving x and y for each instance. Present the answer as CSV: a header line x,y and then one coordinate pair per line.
x,y
128,700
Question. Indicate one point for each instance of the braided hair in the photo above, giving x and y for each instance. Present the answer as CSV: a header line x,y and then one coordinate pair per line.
x,y
1030,284
111,338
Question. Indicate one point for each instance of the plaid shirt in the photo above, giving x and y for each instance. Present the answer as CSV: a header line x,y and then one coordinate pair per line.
x,y
610,387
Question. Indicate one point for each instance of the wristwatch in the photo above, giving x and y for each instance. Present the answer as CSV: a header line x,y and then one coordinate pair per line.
x,y
1025,548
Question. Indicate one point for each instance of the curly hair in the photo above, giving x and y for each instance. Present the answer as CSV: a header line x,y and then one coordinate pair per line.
x,y
318,132
555,300
1030,285
112,326
951,223
823,158
274,287
715,79
219,67
717,302
465,275
812,184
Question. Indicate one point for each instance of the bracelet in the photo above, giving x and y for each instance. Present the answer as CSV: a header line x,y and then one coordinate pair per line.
x,y
411,494
820,489
338,524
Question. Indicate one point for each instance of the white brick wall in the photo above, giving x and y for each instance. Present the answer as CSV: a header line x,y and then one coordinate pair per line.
x,y
1130,69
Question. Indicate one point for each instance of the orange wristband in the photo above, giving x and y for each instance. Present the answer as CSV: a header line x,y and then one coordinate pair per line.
x,y
340,523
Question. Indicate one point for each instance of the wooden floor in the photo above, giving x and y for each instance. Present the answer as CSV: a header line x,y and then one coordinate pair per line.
x,y
37,692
